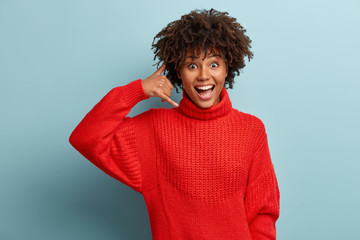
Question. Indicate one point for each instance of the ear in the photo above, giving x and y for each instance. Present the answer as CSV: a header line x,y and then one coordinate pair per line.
x,y
178,74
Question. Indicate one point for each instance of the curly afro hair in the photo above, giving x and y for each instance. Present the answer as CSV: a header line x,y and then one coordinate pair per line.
x,y
202,30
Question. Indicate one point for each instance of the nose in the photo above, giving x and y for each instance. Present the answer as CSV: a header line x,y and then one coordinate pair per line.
x,y
203,74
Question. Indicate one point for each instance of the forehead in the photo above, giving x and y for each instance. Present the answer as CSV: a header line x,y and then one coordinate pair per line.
x,y
195,54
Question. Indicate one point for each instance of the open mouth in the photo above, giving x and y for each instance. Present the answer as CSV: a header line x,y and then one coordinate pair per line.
x,y
205,92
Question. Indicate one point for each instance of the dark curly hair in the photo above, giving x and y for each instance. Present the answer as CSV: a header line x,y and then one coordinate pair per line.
x,y
202,30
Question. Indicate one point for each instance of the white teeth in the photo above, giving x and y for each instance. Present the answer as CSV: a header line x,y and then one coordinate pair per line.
x,y
205,87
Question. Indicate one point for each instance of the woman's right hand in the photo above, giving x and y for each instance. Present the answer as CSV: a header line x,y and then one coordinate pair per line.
x,y
158,85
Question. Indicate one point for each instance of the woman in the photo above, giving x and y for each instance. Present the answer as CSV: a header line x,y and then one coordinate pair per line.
x,y
203,167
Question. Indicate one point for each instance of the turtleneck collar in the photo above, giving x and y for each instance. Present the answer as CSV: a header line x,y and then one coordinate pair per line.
x,y
218,110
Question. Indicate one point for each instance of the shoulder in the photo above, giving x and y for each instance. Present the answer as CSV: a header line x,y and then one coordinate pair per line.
x,y
249,118
252,125
254,128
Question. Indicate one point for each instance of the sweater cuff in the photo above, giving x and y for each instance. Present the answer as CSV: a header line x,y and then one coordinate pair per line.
x,y
133,92
263,228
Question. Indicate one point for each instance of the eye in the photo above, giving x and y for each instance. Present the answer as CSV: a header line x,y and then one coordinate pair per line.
x,y
214,65
192,66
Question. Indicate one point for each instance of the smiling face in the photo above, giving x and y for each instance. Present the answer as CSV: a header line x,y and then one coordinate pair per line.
x,y
203,80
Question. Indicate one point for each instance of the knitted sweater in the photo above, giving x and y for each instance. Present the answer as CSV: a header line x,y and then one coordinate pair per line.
x,y
205,174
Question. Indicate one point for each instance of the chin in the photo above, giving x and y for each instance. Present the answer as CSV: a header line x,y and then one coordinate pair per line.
x,y
205,105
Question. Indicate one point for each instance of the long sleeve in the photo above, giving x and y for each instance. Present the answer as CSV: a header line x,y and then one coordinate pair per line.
x,y
107,137
262,196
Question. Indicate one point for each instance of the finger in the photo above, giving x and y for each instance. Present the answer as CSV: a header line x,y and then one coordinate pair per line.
x,y
167,88
160,69
164,85
166,91
165,82
169,84
166,98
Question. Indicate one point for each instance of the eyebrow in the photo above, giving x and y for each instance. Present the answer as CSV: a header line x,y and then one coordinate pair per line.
x,y
208,56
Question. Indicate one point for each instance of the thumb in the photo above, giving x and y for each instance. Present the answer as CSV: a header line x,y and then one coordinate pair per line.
x,y
160,69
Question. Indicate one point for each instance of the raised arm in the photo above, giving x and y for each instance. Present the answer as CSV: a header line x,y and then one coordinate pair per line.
x,y
117,144
107,137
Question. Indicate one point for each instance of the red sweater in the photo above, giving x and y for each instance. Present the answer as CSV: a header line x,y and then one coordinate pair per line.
x,y
205,174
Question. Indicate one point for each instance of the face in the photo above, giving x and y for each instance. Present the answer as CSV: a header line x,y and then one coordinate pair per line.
x,y
203,80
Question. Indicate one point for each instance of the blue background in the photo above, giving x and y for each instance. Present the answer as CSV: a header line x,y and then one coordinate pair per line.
x,y
59,58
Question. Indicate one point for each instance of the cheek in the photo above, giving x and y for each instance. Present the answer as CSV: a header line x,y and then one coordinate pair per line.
x,y
220,77
187,77
186,83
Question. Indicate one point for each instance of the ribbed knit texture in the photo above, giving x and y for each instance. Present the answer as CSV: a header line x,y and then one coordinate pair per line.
x,y
204,173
